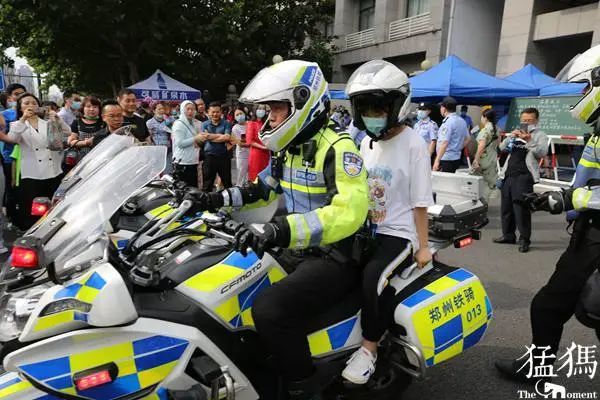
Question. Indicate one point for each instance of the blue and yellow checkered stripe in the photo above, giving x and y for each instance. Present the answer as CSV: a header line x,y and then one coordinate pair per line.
x,y
11,384
454,322
332,338
237,310
85,289
214,277
141,363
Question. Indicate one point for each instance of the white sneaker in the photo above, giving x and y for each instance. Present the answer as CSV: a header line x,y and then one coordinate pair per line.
x,y
360,367
3,249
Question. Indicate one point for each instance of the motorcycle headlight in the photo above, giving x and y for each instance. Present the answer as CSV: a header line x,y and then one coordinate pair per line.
x,y
15,309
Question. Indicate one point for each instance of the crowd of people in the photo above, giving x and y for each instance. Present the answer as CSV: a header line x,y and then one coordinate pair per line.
x,y
201,141
510,166
331,187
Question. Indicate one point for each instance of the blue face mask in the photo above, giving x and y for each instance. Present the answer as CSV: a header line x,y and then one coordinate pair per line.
x,y
12,104
421,114
76,105
375,125
260,113
240,118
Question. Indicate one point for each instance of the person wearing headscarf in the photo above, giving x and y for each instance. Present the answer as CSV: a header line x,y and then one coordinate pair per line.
x,y
186,140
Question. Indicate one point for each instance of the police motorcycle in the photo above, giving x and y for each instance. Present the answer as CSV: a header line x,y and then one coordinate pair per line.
x,y
171,318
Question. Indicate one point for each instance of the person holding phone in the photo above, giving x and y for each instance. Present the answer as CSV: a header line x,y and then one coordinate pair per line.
x,y
41,170
526,146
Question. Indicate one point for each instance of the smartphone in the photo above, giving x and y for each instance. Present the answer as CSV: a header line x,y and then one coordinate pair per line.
x,y
42,112
524,128
243,137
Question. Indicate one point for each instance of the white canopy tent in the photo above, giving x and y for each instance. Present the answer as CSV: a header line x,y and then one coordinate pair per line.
x,y
160,86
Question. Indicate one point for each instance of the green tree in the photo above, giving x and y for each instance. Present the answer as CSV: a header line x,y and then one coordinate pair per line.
x,y
100,46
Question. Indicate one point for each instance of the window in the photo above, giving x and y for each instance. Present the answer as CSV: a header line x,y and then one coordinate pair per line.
x,y
417,7
366,14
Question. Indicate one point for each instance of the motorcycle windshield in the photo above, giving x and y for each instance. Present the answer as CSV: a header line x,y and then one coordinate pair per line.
x,y
83,215
92,162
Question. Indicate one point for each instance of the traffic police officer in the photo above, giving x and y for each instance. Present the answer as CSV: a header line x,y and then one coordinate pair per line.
x,y
426,127
452,138
320,173
556,302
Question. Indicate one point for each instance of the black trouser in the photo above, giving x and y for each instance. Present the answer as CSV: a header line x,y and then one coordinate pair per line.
x,y
515,215
391,256
10,194
29,190
187,173
555,303
449,166
283,311
212,166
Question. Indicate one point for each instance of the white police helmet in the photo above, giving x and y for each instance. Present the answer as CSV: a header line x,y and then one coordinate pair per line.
x,y
586,68
302,85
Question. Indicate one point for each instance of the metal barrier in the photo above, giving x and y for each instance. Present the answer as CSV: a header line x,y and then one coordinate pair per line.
x,y
360,39
410,26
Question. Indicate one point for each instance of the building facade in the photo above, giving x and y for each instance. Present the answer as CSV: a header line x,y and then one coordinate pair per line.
x,y
496,36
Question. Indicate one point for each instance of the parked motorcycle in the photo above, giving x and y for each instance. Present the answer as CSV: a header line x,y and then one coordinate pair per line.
x,y
170,317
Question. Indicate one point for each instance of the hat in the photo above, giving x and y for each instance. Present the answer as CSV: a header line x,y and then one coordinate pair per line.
x,y
425,106
449,101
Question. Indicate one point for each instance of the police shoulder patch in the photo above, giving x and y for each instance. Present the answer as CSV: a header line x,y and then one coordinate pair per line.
x,y
352,164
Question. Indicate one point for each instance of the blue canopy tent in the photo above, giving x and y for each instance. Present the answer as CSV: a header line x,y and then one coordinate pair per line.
x,y
531,77
338,95
160,86
453,77
563,89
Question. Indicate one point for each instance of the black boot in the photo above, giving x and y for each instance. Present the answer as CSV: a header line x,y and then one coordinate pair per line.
x,y
308,389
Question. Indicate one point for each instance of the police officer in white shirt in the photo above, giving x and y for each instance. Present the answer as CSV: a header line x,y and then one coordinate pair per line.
x,y
426,127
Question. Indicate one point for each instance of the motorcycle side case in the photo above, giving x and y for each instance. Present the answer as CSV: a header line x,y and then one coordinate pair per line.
x,y
453,220
441,313
458,208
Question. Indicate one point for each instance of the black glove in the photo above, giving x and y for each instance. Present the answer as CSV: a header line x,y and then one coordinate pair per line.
x,y
553,202
201,200
259,237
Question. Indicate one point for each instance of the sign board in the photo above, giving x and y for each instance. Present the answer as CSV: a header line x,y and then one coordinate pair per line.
x,y
555,115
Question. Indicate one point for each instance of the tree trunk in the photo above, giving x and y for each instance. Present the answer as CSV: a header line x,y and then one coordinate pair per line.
x,y
134,76
121,78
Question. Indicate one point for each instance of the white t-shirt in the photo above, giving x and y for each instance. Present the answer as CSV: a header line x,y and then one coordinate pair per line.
x,y
399,177
240,152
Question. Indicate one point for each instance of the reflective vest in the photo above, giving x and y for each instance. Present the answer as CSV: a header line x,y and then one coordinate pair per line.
x,y
585,198
327,201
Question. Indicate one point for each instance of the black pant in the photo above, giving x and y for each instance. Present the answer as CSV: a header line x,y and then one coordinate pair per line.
x,y
187,173
10,194
29,190
449,166
212,166
555,303
283,311
515,215
391,256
